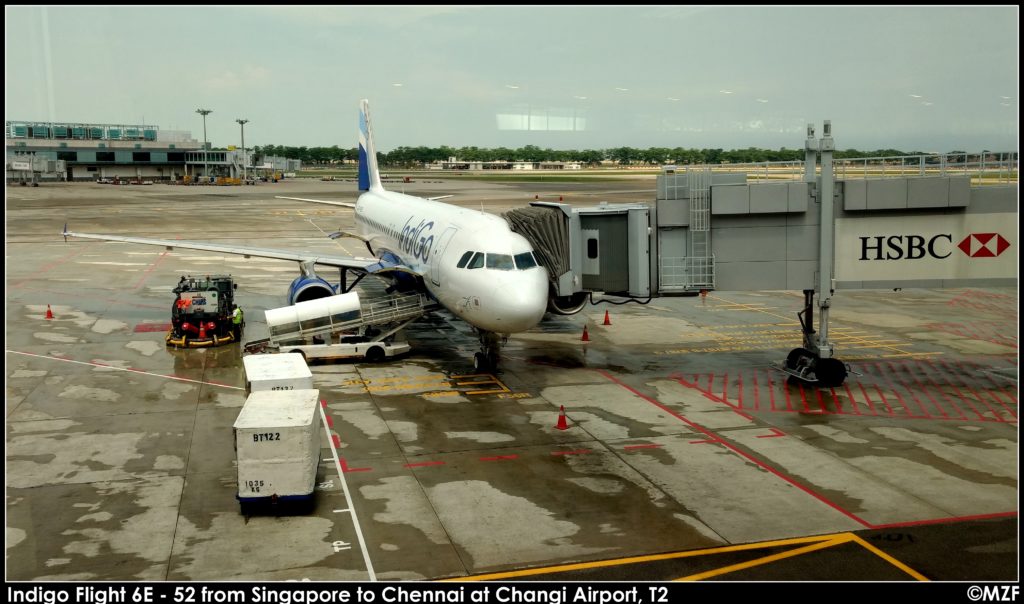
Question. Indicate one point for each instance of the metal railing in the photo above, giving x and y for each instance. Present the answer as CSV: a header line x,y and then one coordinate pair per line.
x,y
985,168
686,273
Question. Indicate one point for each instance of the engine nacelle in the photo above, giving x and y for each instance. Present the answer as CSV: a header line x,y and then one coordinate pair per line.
x,y
308,288
568,305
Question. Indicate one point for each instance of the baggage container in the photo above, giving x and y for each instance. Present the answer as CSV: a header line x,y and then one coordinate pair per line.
x,y
276,372
277,444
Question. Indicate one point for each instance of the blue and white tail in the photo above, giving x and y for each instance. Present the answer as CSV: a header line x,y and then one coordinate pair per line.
x,y
369,176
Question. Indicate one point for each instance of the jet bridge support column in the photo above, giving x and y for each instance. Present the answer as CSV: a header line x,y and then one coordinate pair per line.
x,y
814,362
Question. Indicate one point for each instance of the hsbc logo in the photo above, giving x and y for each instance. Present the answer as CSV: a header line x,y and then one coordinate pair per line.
x,y
983,245
916,247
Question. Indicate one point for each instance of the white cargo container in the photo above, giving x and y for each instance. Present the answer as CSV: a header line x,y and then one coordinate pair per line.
x,y
276,372
277,443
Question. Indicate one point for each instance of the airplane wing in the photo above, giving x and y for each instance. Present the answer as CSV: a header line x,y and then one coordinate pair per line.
x,y
330,203
369,265
345,203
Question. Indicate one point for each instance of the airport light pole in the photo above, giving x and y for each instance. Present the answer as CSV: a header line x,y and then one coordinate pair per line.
x,y
242,123
206,165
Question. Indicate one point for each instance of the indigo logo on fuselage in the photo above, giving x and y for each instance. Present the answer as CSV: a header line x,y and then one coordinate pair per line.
x,y
417,240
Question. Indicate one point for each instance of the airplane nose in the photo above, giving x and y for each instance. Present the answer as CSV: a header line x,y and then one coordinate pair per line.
x,y
521,302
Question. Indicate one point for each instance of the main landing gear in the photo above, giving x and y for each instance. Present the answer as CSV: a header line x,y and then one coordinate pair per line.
x,y
806,364
490,351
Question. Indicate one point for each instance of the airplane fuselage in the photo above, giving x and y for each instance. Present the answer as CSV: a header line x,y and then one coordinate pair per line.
x,y
502,291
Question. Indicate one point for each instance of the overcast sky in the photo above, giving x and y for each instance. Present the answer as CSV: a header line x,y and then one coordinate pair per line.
x,y
931,79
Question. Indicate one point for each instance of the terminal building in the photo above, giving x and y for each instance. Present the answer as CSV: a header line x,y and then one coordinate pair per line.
x,y
91,152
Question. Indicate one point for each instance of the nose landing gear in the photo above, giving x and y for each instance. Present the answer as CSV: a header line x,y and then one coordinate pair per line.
x,y
490,350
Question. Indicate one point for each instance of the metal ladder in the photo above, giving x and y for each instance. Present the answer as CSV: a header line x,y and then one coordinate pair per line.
x,y
700,267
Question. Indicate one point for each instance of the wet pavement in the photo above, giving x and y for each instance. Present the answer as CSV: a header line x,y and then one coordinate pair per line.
x,y
680,441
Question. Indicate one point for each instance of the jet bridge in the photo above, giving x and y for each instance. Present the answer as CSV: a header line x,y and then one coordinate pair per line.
x,y
604,248
710,227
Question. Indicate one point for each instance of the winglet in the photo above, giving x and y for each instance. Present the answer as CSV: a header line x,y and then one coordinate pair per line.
x,y
369,176
65,232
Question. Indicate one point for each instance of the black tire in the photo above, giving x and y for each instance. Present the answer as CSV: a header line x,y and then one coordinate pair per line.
x,y
492,361
479,362
794,356
375,354
830,372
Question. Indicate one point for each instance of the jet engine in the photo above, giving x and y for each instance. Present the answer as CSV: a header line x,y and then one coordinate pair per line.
x,y
305,288
567,305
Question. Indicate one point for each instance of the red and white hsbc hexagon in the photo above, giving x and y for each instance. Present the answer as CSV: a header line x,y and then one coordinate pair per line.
x,y
925,247
983,245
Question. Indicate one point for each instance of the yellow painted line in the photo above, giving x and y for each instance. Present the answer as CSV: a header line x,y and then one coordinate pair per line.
x,y
839,540
910,354
771,314
913,573
652,558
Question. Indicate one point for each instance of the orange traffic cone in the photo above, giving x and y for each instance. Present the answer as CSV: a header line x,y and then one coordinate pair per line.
x,y
607,319
586,336
49,313
562,424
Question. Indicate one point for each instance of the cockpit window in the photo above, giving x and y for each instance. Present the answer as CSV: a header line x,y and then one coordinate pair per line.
x,y
465,258
500,261
525,261
477,261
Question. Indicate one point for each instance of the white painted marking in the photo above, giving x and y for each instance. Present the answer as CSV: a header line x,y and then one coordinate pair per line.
x,y
348,497
340,511
110,367
341,546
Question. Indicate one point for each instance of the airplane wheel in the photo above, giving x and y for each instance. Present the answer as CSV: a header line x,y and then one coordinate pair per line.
x,y
492,361
479,362
830,372
794,356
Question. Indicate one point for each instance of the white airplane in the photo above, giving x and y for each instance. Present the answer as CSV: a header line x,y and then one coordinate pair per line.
x,y
469,261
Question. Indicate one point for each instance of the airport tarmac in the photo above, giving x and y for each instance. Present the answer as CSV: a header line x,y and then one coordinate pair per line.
x,y
685,456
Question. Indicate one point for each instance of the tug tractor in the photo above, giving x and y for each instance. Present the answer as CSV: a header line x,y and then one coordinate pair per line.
x,y
201,313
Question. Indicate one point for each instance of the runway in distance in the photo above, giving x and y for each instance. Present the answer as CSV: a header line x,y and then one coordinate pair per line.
x,y
469,261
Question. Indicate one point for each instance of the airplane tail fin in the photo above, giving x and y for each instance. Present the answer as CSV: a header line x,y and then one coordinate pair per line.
x,y
369,175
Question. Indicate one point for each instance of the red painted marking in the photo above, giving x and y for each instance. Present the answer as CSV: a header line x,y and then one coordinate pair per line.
x,y
725,387
576,452
849,396
909,389
950,400
867,398
337,440
785,388
771,391
757,398
739,451
891,382
775,434
346,470
740,386
149,270
962,398
821,401
944,520
499,457
424,463
632,447
323,404
151,327
803,396
704,442
836,401
711,383
921,386
950,370
885,401
988,391
330,421
47,267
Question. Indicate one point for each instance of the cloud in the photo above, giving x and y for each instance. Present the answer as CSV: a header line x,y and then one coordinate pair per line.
x,y
251,76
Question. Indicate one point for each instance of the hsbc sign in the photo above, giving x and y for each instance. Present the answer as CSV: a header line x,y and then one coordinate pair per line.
x,y
983,245
940,247
916,247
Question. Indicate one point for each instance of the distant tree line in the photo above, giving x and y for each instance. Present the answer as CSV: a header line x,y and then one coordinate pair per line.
x,y
414,157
